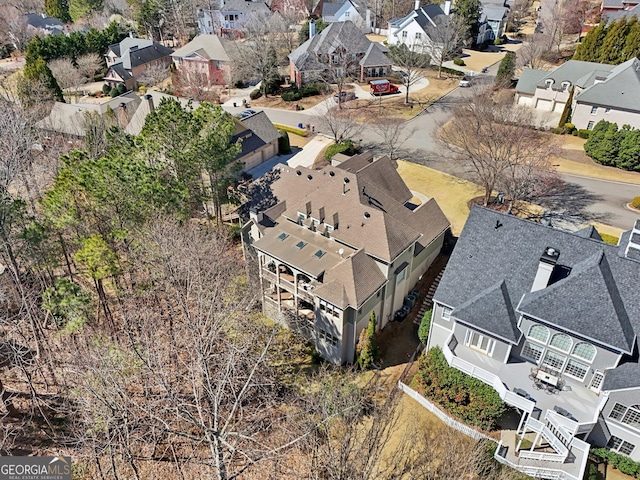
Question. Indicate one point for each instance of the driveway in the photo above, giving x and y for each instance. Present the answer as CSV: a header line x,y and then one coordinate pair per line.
x,y
307,156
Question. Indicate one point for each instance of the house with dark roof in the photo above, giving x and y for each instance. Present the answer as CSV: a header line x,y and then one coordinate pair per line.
x,y
612,8
258,139
416,29
347,10
205,57
43,24
128,60
600,92
550,319
341,48
335,245
632,9
493,21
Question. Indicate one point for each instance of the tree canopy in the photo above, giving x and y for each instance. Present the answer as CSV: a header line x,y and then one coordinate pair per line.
x,y
614,147
611,43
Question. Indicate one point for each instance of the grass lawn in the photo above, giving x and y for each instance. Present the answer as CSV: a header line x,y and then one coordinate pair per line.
x,y
451,193
277,102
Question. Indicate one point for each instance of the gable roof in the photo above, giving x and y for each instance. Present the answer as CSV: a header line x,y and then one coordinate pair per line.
x,y
134,57
246,7
495,247
260,124
626,375
528,80
43,22
120,71
127,43
375,56
620,90
208,47
424,16
352,281
493,12
336,35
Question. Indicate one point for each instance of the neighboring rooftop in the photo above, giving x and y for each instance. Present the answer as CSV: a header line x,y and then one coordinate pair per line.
x,y
208,47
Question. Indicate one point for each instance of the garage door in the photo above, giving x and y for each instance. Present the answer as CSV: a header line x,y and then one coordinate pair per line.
x,y
527,101
558,107
544,105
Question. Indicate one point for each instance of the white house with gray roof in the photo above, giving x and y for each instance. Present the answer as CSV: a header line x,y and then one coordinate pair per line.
x,y
334,245
413,29
550,319
601,92
347,10
493,21
339,46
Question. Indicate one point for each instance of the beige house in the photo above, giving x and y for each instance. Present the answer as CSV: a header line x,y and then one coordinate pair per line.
x,y
130,59
600,92
334,245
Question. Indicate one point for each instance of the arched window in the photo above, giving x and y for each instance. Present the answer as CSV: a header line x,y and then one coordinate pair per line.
x,y
538,332
561,342
586,351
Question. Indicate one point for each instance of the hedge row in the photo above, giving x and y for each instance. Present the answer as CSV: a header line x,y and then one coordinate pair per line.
x,y
463,396
615,147
298,131
621,462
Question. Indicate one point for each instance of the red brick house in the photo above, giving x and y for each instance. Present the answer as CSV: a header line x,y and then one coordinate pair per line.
x,y
204,57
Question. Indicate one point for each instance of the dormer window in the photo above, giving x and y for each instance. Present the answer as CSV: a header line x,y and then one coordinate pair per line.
x,y
565,86
548,83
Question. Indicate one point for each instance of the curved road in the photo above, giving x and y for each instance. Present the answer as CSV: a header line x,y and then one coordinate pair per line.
x,y
604,199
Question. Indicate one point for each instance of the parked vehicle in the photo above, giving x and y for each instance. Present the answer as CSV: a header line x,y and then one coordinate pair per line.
x,y
345,96
383,87
465,82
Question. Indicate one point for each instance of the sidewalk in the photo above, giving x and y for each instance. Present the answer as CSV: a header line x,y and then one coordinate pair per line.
x,y
308,155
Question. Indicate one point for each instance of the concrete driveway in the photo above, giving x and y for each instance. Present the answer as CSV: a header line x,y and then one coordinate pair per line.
x,y
311,151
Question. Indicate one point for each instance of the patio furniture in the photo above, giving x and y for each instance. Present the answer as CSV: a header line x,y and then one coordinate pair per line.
x,y
562,411
547,378
534,372
522,393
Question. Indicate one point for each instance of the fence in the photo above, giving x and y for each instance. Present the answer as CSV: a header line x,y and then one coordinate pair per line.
x,y
451,422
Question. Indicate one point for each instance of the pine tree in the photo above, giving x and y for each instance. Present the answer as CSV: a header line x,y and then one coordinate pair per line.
x,y
470,11
566,113
367,348
603,144
506,70
58,9
632,46
37,72
614,42
83,8
588,50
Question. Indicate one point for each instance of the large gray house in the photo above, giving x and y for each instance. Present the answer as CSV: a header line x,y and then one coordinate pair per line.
x,y
600,92
334,245
550,319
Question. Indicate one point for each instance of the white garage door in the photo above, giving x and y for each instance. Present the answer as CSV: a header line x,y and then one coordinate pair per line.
x,y
558,107
544,105
527,101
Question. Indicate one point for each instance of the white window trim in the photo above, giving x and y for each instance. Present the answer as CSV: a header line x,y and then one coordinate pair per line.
x,y
491,344
446,313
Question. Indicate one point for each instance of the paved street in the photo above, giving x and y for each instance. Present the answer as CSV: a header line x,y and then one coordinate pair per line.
x,y
603,198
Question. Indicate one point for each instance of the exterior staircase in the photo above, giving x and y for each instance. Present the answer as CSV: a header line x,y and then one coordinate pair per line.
x,y
427,303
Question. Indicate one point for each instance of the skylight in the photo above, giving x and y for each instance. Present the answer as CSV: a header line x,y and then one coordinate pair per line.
x,y
320,253
300,245
282,236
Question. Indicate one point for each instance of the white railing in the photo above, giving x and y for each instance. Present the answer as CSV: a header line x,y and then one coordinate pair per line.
x,y
565,426
534,471
488,378
451,422
542,456
548,435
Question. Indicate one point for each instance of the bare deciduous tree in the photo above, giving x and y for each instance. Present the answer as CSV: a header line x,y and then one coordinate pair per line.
x,y
88,65
530,55
393,134
154,75
498,144
66,74
411,60
446,39
342,124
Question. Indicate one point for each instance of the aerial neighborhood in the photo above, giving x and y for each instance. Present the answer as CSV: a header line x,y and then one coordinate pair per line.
x,y
330,239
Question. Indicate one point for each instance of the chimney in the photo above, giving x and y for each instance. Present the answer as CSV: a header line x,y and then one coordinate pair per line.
x,y
130,34
548,260
308,207
149,100
44,15
367,19
312,29
335,221
255,215
122,114
417,5
321,214
447,7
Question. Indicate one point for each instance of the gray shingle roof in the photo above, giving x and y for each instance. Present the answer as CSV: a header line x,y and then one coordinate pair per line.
x,y
337,34
329,9
620,90
626,375
207,46
46,23
375,57
495,248
617,15
134,57
260,124
572,71
491,311
528,80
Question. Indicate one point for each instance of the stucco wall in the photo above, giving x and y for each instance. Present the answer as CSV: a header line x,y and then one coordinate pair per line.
x,y
581,116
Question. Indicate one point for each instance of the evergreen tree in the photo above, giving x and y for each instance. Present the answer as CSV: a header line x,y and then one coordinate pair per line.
x,y
83,8
629,153
367,348
588,50
58,9
506,69
632,46
566,113
603,144
39,72
303,34
614,42
470,11
425,324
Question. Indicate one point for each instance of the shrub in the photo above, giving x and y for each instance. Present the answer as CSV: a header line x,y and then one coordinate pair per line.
x,y
367,348
423,330
621,462
142,89
284,145
291,96
310,90
635,203
301,132
498,41
459,62
461,395
121,88
255,94
582,133
113,92
239,84
506,69
557,130
345,146
569,127
106,89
